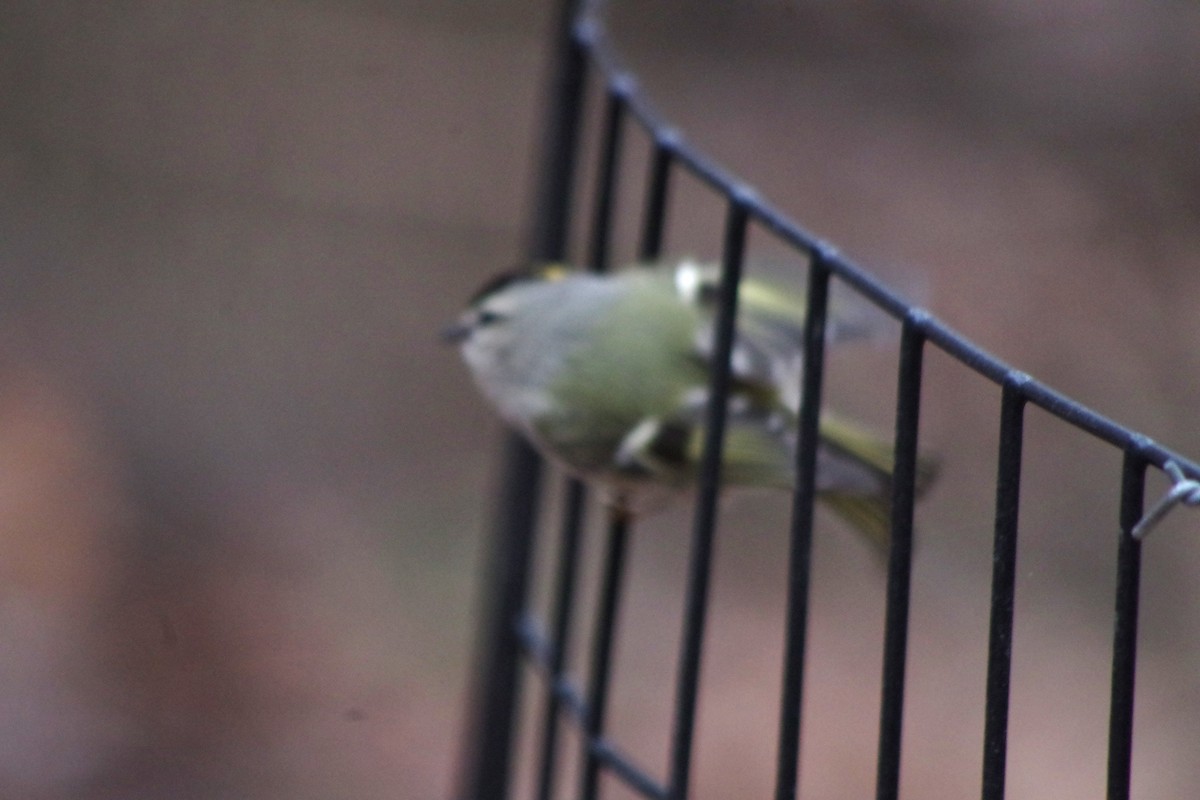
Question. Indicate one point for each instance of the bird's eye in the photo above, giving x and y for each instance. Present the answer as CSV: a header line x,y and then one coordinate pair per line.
x,y
485,317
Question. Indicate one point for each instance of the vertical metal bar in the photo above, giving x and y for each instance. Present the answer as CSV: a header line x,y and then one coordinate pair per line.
x,y
606,175
618,530
1129,567
655,213
564,601
904,480
699,567
800,548
560,141
602,650
494,702
1004,573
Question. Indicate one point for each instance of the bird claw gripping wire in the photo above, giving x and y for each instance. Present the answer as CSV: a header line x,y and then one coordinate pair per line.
x,y
1185,490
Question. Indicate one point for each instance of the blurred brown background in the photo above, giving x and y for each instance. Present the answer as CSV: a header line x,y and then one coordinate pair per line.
x,y
243,490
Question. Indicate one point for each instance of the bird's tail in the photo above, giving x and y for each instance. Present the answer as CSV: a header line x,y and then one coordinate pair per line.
x,y
856,480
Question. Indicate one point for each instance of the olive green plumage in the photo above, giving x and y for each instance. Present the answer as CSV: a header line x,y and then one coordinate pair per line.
x,y
608,375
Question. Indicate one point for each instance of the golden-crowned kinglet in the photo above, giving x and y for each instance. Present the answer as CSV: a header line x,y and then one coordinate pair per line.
x,y
608,376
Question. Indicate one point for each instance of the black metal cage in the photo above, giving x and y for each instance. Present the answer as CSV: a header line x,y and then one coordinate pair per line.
x,y
515,635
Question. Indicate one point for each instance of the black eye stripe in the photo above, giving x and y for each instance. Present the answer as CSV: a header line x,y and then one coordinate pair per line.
x,y
485,317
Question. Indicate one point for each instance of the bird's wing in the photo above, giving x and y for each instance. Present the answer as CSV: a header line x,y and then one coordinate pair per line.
x,y
669,450
768,348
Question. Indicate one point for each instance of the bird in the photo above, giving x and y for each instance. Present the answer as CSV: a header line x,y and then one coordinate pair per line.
x,y
607,374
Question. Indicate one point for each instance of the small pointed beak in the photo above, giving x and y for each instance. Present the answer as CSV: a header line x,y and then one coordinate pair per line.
x,y
456,333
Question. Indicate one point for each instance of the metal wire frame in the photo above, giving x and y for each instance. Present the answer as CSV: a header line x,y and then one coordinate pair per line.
x,y
512,633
